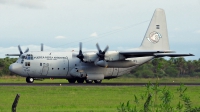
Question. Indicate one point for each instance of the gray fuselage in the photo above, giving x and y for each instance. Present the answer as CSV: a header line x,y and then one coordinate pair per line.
x,y
65,65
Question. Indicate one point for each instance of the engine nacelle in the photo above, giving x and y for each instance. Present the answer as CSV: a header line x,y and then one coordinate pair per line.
x,y
90,56
109,56
114,56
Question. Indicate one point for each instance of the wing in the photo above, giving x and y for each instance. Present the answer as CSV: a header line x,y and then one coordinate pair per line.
x,y
130,54
12,55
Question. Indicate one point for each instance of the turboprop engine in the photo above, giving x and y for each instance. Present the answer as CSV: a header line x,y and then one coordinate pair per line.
x,y
109,56
108,59
103,58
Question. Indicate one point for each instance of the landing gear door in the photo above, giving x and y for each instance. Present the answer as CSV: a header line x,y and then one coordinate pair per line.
x,y
115,71
45,69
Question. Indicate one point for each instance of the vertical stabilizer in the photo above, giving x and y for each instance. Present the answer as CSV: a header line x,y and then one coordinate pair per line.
x,y
156,37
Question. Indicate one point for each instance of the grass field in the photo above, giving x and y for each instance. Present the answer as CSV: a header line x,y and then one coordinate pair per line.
x,y
83,98
17,79
78,98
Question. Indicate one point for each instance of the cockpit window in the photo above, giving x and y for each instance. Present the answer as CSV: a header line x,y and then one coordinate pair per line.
x,y
29,57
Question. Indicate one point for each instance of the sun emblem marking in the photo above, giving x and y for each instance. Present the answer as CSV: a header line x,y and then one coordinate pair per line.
x,y
154,37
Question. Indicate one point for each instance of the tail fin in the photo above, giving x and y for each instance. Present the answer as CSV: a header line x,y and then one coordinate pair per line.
x,y
156,37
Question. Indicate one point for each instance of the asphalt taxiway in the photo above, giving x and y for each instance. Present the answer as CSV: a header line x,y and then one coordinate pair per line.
x,y
94,84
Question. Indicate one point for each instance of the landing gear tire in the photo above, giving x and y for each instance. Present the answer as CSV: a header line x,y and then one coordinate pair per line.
x,y
29,79
80,80
88,81
71,80
97,81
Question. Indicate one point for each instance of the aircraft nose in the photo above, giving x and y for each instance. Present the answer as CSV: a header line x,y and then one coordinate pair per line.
x,y
15,68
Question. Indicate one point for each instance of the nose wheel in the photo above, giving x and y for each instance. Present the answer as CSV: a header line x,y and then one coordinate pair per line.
x,y
29,79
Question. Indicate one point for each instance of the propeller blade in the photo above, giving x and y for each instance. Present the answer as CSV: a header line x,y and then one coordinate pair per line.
x,y
26,50
20,50
42,47
97,45
80,55
106,49
80,46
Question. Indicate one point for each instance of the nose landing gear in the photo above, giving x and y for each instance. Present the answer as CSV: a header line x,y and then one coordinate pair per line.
x,y
29,79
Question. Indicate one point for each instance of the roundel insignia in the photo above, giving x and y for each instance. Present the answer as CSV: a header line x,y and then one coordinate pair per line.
x,y
154,37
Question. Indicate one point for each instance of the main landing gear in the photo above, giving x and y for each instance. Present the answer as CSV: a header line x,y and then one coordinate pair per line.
x,y
29,79
82,81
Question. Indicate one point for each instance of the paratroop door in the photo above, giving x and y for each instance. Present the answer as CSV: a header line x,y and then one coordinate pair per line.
x,y
115,71
45,68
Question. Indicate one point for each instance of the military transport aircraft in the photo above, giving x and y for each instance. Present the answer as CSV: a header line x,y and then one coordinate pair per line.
x,y
97,65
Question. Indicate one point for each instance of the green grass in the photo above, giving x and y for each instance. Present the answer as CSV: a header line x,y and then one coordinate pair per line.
x,y
78,98
18,79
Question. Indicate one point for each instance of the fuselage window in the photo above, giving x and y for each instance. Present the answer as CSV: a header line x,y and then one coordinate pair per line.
x,y
63,68
58,68
27,64
40,64
157,26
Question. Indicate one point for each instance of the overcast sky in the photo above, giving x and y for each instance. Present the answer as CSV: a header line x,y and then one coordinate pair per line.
x,y
121,24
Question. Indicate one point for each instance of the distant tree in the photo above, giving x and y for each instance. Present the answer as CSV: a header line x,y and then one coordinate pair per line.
x,y
4,65
190,67
181,65
171,71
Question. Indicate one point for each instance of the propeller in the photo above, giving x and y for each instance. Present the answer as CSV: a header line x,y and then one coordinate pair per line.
x,y
101,54
80,55
21,52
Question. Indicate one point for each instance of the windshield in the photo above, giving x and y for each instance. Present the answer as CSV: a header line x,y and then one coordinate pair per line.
x,y
29,57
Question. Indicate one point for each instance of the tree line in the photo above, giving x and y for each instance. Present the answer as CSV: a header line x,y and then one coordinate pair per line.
x,y
174,67
4,65
158,67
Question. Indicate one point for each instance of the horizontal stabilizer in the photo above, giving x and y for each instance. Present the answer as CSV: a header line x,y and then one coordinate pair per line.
x,y
129,54
172,55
